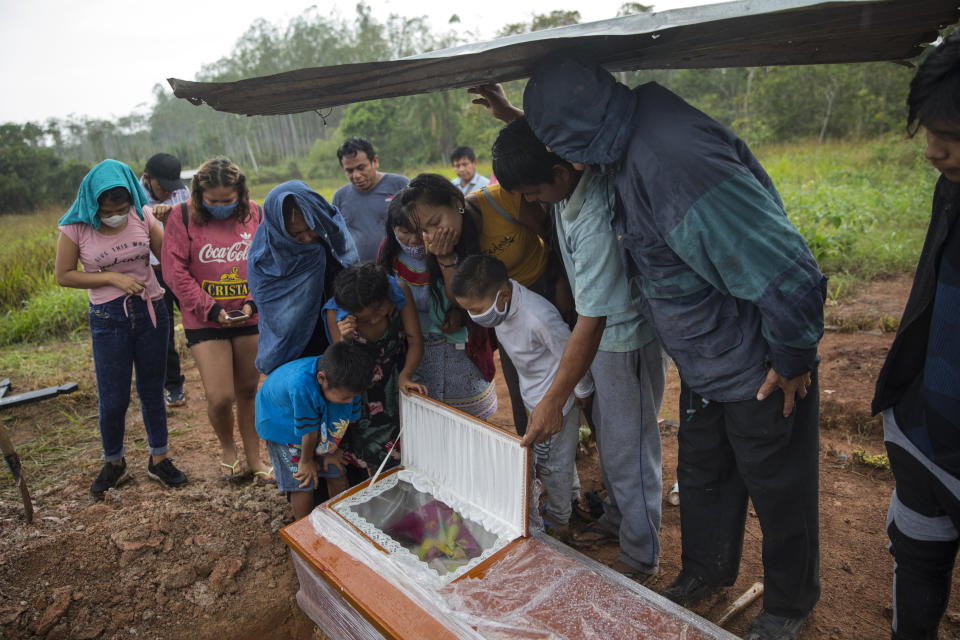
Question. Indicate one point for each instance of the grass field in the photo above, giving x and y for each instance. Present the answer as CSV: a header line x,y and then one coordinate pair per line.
x,y
862,208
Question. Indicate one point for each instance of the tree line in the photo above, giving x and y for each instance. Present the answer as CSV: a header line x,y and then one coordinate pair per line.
x,y
763,105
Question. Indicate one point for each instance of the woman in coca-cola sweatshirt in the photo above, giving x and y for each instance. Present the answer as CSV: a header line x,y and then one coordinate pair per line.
x,y
204,261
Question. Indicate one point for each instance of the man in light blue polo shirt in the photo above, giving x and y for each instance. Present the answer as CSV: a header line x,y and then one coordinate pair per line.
x,y
610,338
464,162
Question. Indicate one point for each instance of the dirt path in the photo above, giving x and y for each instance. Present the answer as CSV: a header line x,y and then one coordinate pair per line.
x,y
205,561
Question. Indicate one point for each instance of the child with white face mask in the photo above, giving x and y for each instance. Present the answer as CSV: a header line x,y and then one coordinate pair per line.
x,y
533,333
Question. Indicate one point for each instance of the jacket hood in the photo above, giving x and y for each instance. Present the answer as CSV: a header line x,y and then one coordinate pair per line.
x,y
579,111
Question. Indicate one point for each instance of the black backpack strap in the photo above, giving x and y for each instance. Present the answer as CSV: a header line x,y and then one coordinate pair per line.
x,y
185,216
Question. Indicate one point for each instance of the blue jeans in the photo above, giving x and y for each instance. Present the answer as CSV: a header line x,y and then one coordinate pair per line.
x,y
123,342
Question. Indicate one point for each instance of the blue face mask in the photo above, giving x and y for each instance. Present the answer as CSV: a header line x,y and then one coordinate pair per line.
x,y
220,211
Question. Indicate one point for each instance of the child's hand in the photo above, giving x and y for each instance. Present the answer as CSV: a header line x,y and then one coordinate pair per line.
x,y
407,385
333,459
347,326
306,472
452,321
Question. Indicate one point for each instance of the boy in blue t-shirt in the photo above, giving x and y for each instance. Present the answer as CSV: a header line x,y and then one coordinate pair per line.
x,y
303,409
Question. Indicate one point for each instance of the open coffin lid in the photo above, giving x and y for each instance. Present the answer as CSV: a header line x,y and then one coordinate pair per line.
x,y
459,497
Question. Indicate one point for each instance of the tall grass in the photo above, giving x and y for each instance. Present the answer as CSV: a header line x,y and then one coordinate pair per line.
x,y
862,208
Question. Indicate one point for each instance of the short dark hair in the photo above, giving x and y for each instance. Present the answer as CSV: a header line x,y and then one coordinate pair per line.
x,y
358,286
355,144
463,152
520,159
116,195
934,96
478,276
347,366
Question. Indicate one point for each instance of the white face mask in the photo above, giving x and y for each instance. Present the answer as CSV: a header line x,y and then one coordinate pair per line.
x,y
492,316
114,221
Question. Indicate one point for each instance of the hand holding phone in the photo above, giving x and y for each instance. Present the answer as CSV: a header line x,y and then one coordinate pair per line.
x,y
236,314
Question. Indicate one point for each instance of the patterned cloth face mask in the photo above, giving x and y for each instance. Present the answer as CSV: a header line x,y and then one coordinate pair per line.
x,y
419,252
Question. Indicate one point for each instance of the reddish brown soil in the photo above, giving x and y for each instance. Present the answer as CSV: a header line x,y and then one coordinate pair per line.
x,y
205,561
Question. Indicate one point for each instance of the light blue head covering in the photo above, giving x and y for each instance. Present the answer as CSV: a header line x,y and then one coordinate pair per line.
x,y
106,175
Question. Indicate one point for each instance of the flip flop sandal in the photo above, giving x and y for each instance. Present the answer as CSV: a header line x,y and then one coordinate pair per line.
x,y
265,477
229,472
592,535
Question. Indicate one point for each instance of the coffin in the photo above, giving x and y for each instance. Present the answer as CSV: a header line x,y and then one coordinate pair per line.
x,y
439,548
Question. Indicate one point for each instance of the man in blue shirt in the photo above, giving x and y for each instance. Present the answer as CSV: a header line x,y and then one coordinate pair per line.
x,y
364,201
610,338
464,162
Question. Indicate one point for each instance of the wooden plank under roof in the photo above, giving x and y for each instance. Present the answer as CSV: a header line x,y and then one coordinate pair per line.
x,y
732,34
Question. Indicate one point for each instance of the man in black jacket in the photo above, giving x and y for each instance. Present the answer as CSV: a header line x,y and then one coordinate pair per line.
x,y
918,390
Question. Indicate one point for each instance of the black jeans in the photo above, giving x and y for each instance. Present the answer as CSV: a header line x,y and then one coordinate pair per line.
x,y
174,378
729,451
923,544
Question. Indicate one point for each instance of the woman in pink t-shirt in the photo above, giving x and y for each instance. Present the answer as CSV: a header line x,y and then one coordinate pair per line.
x,y
204,261
111,233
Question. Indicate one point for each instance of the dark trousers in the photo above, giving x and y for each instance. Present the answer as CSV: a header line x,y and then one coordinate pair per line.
x,y
924,546
125,340
729,451
174,378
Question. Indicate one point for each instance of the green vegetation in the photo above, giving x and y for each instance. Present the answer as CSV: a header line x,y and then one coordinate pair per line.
x,y
31,174
862,208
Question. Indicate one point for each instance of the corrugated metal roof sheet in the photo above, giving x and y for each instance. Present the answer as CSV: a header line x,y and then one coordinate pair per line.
x,y
733,34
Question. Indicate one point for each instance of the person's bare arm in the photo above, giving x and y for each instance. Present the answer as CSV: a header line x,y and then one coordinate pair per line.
x,y
494,99
307,467
67,274
546,418
411,327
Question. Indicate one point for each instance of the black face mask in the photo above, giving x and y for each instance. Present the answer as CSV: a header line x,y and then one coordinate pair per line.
x,y
150,190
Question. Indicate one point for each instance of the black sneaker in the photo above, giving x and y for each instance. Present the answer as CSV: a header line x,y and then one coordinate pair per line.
x,y
767,626
175,396
165,472
110,476
687,590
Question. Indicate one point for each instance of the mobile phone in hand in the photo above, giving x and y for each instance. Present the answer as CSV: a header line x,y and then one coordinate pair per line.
x,y
237,314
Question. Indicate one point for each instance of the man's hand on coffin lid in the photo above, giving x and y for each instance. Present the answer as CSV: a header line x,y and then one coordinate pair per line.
x,y
407,385
306,472
545,420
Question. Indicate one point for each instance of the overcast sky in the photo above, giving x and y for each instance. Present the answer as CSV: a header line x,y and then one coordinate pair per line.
x,y
101,58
